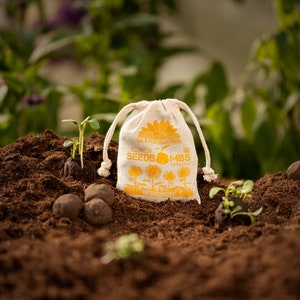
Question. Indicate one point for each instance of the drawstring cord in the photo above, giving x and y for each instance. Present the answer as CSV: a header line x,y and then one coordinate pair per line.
x,y
106,163
209,173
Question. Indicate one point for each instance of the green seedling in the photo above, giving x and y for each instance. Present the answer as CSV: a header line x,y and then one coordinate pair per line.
x,y
78,144
126,247
233,201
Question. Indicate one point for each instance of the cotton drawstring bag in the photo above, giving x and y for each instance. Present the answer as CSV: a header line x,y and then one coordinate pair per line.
x,y
157,158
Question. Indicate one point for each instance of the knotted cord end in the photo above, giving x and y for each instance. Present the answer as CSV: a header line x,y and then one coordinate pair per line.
x,y
104,169
209,174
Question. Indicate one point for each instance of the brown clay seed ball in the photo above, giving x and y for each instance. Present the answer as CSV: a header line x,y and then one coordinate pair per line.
x,y
293,171
68,206
102,191
97,212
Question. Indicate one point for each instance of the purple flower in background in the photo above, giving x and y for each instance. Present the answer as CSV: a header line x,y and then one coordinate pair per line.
x,y
33,99
68,15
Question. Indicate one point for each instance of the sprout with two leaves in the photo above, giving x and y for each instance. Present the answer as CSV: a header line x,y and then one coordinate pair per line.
x,y
78,144
77,166
233,201
125,247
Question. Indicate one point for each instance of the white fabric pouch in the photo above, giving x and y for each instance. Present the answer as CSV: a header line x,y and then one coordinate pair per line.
x,y
157,158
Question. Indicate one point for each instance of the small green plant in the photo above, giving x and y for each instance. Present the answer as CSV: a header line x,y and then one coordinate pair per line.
x,y
126,247
233,201
78,144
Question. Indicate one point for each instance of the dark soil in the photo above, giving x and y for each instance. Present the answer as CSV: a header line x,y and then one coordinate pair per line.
x,y
72,167
186,255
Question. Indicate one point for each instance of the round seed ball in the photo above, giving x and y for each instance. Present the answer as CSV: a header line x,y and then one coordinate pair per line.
x,y
97,212
68,206
293,171
101,191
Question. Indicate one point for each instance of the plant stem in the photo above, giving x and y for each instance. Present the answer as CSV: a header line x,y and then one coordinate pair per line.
x,y
81,141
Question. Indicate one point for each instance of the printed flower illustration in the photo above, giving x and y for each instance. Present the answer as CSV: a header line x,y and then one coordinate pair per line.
x,y
162,129
134,172
153,172
170,177
183,173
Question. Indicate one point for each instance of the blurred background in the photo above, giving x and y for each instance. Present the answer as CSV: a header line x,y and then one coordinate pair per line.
x,y
236,63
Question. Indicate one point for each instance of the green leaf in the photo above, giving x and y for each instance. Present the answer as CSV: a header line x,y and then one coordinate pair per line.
x,y
231,203
247,187
220,129
217,86
68,143
215,82
285,10
248,117
266,144
241,213
257,212
236,182
214,190
251,215
125,247
44,50
137,20
236,209
70,120
94,124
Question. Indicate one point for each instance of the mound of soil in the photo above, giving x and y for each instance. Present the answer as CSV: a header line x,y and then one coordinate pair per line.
x,y
186,255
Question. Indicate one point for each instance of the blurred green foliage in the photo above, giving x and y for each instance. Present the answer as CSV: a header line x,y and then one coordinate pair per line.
x,y
251,128
28,101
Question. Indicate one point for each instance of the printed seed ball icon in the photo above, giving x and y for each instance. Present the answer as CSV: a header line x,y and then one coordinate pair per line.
x,y
162,157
